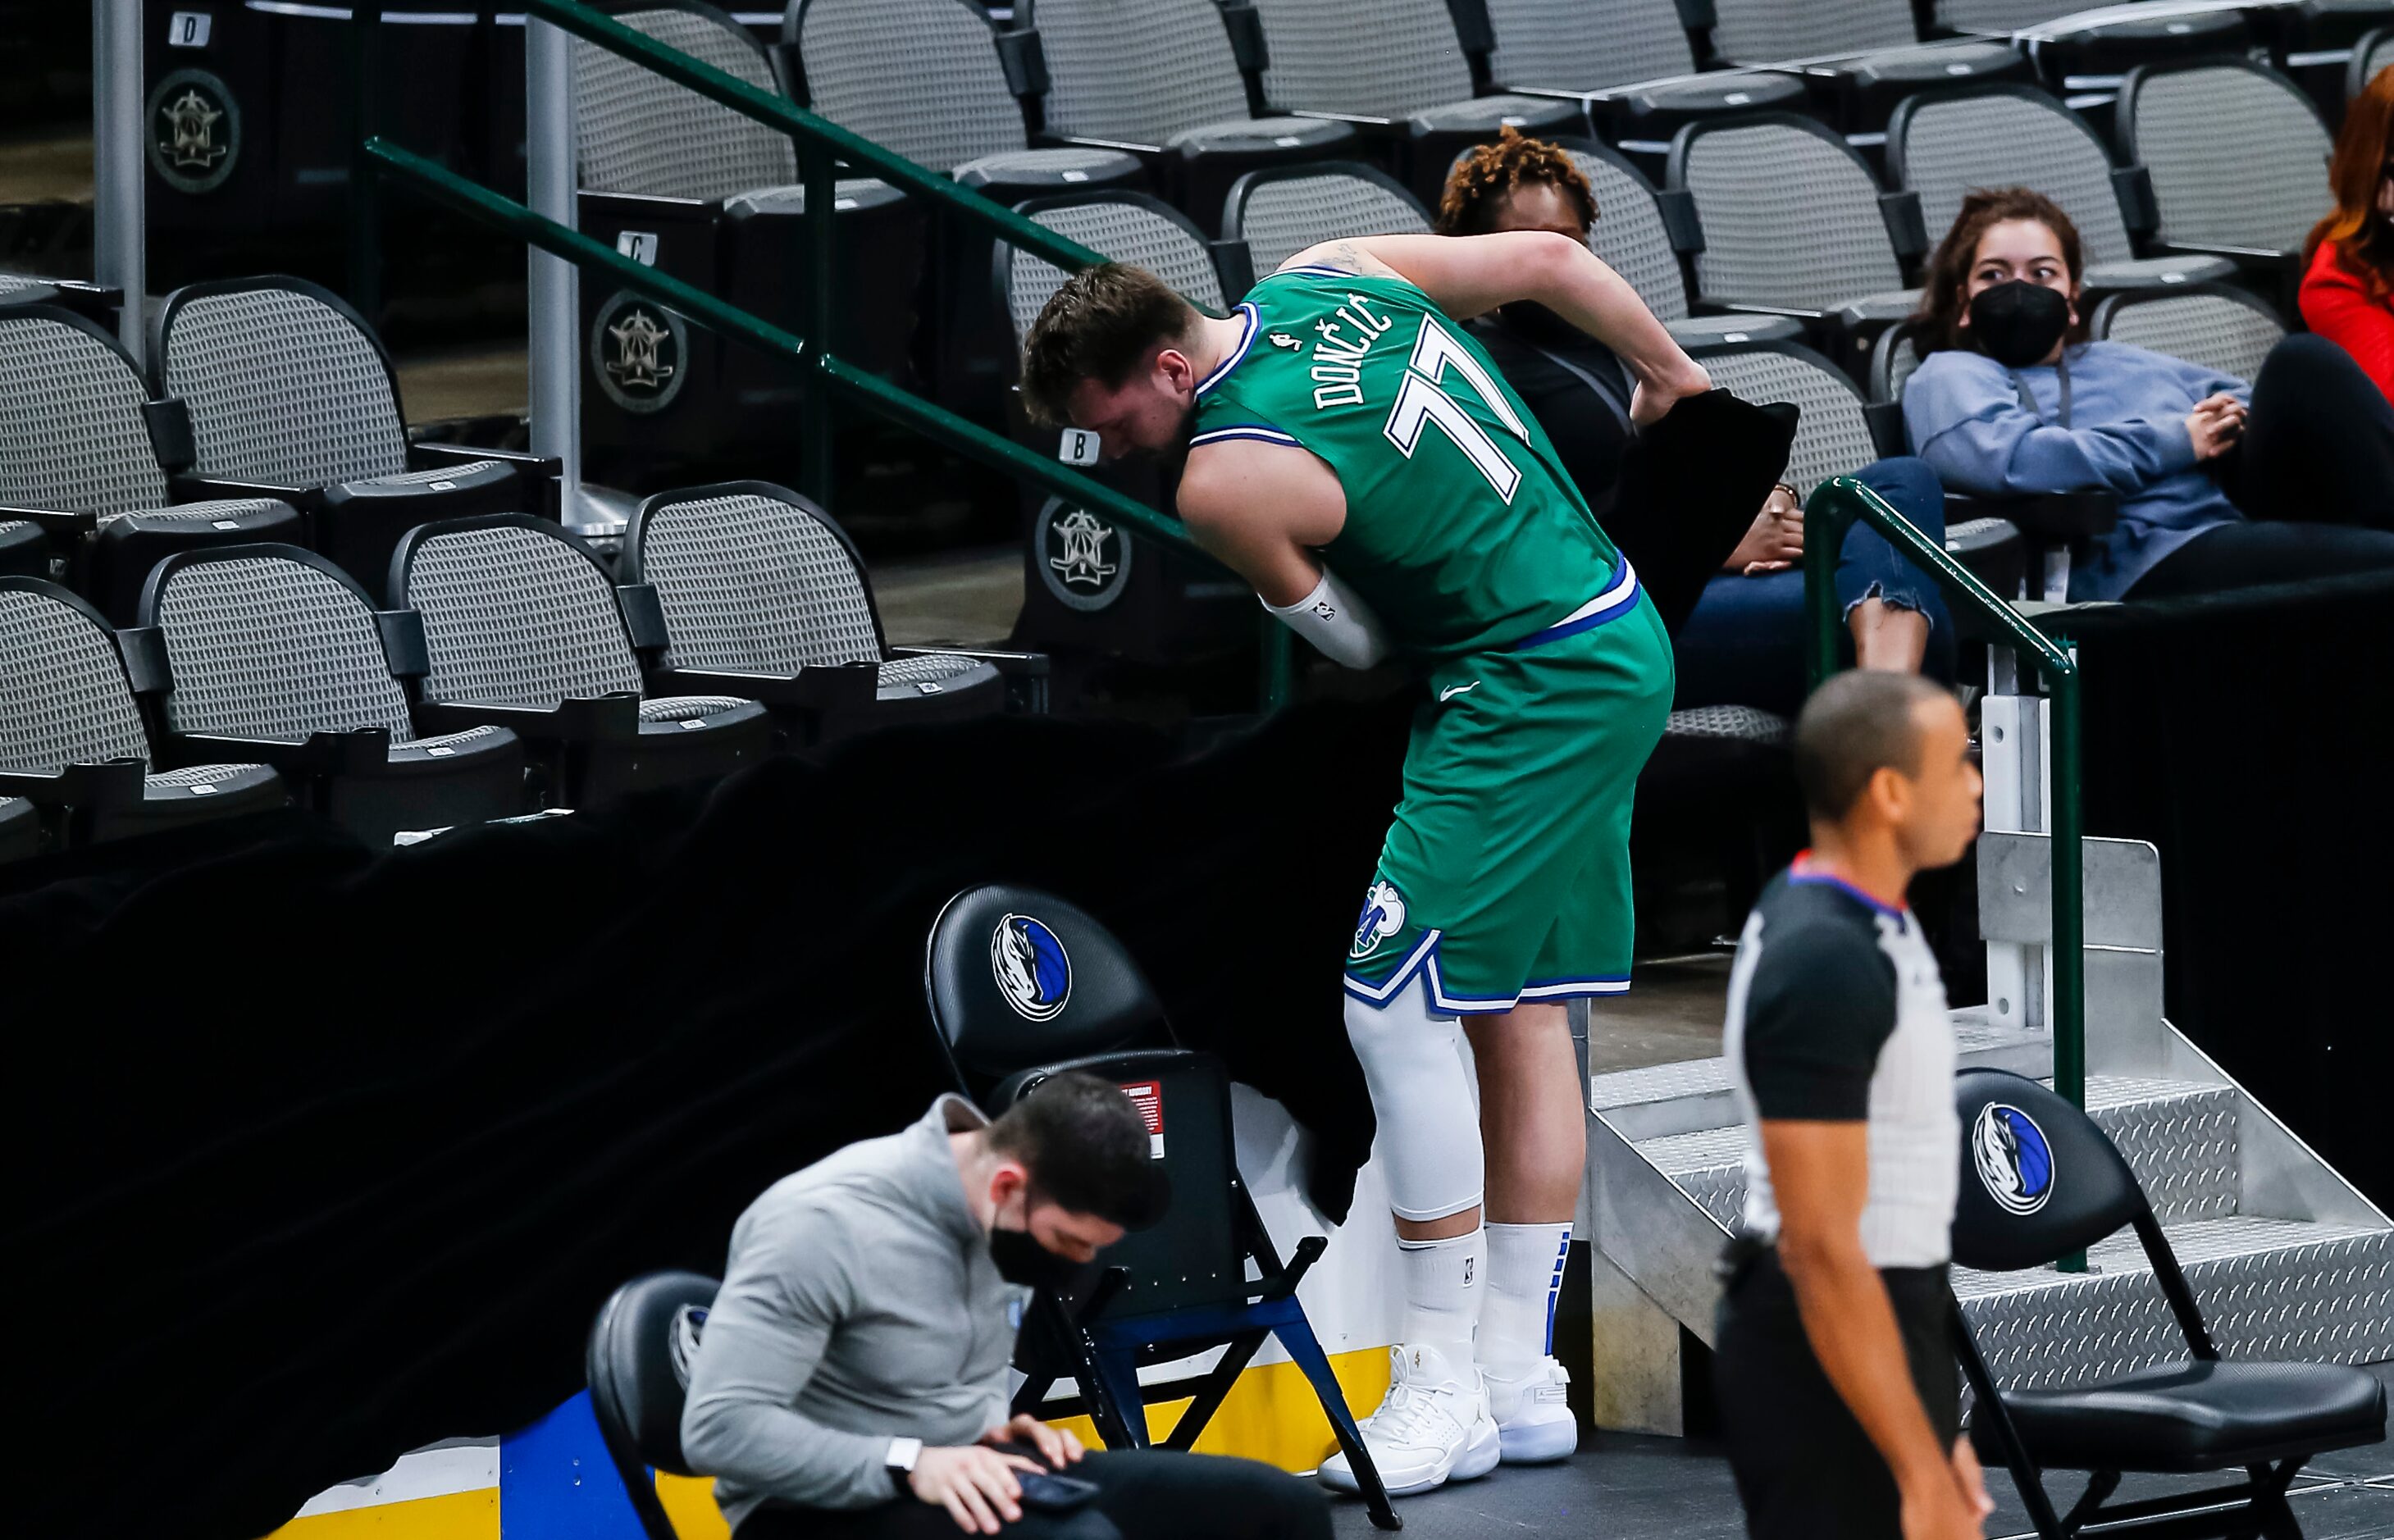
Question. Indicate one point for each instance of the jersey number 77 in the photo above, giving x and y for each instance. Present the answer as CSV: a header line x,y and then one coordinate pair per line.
x,y
1423,398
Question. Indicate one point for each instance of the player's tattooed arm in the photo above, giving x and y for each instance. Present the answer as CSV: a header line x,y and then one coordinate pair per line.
x,y
1346,255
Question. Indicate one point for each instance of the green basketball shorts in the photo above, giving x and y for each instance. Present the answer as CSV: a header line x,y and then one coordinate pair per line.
x,y
1505,874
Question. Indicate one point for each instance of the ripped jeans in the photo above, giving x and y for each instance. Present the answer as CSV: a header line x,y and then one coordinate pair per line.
x,y
1744,642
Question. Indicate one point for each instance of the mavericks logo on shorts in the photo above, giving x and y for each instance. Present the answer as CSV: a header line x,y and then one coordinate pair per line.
x,y
1383,917
1032,972
2015,1163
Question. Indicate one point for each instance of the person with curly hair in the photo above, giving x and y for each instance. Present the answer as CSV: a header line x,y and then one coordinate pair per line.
x,y
2347,295
2222,485
1727,578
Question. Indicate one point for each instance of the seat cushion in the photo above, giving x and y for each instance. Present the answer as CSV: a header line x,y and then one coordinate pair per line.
x,y
1296,137
451,745
2158,272
1694,331
695,713
1532,115
2199,1416
1743,723
937,676
475,473
234,787
1937,63
1018,174
1889,305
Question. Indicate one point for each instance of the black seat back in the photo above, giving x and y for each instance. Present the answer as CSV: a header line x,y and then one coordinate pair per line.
x,y
2039,1179
638,1368
1017,979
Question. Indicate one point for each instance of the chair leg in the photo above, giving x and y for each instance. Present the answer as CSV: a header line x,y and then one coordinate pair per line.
x,y
1217,1385
1306,1355
1117,1373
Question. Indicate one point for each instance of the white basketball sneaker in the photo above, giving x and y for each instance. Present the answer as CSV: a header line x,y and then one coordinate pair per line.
x,y
1433,1428
1533,1413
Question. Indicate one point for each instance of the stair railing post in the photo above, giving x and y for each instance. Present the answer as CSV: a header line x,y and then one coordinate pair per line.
x,y
120,244
820,176
554,283
2067,958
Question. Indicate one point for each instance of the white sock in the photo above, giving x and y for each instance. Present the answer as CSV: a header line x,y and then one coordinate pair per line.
x,y
1525,1274
1443,1285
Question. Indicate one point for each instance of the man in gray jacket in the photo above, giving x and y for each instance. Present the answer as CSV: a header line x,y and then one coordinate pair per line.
x,y
851,1383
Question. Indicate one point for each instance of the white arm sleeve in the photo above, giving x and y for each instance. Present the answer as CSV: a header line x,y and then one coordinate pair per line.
x,y
1336,622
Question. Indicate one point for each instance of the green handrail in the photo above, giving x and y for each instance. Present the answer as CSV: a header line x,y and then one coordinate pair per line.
x,y
1832,509
860,386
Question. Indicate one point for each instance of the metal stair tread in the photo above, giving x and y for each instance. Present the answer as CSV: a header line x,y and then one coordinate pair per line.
x,y
1689,1077
2194,1241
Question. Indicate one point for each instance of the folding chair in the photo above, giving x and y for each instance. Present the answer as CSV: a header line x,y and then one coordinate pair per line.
x,y
2040,1181
1181,1287
638,1367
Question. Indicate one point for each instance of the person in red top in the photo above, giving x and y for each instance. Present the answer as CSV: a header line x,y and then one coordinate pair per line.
x,y
2347,295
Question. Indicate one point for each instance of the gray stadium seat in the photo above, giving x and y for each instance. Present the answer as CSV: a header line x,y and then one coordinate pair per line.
x,y
762,593
1994,16
1794,224
1404,77
711,197
1627,63
76,449
274,651
1862,55
2373,53
1277,213
1838,434
2084,55
290,397
523,628
2219,327
1163,77
1942,144
1642,236
2237,154
1088,585
68,709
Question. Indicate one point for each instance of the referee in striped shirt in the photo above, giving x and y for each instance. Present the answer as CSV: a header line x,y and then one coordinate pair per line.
x,y
1835,1368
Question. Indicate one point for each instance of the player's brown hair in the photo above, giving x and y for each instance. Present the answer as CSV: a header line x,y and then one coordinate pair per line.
x,y
1482,177
1941,304
2365,156
1098,326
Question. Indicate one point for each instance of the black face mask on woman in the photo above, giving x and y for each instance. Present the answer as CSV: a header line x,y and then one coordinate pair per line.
x,y
2017,322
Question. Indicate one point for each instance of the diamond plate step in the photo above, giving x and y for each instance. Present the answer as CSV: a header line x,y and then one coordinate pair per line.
x,y
2179,1138
2269,1289
1693,1094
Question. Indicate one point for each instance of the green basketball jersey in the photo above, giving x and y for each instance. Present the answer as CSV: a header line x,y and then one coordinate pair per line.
x,y
1463,531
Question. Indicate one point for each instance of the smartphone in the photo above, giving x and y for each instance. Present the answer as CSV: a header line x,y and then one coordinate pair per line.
x,y
1056,1494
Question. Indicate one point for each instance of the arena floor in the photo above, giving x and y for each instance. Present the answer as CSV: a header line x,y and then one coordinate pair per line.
x,y
1629,1488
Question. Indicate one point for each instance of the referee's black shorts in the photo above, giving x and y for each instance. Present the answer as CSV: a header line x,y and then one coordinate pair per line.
x,y
1805,1470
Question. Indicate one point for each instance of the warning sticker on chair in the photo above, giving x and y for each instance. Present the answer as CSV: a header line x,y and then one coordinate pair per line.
x,y
1147,1096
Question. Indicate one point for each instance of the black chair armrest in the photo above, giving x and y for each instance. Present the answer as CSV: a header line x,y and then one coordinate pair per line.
x,y
1906,228
185,487
2067,516
1245,25
100,784
58,525
1696,15
1681,227
169,423
357,751
2134,186
1024,61
612,717
1884,420
845,687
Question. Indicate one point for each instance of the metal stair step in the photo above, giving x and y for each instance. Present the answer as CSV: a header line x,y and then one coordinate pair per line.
x,y
2269,1288
2179,1138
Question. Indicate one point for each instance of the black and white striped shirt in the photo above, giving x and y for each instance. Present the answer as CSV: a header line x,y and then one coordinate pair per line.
x,y
1837,1013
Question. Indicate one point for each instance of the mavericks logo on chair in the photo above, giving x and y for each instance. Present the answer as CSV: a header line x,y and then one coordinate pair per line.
x,y
2014,1161
1032,971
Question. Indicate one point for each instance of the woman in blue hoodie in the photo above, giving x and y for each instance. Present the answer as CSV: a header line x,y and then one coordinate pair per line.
x,y
2222,485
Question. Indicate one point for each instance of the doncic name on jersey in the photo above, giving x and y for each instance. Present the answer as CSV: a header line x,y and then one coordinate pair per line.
x,y
2014,1161
1032,971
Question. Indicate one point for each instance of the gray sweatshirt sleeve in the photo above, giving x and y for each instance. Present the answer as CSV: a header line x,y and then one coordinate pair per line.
x,y
1968,424
791,1280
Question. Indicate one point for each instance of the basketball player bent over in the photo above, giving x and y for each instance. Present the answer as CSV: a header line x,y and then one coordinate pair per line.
x,y
1357,458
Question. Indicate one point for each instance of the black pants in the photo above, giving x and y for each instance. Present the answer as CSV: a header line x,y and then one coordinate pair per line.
x,y
1146,1494
2315,473
1805,1469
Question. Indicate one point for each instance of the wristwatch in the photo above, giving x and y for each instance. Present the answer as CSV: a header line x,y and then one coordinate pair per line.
x,y
900,1460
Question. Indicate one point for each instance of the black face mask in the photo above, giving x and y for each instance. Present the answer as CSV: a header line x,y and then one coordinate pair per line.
x,y
1542,327
1021,1260
2017,322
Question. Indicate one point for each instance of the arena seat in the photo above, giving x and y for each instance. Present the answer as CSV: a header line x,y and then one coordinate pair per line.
x,y
2373,53
1860,56
1086,584
1021,985
1277,213
2261,1420
522,628
274,652
711,197
2215,325
1643,236
1626,64
291,397
2084,55
79,449
1407,82
1941,144
1164,79
72,743
637,1368
763,595
2238,160
1792,223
